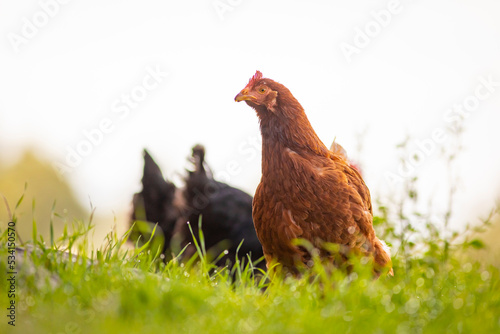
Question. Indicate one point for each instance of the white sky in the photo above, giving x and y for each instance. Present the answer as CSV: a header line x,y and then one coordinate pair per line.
x,y
66,78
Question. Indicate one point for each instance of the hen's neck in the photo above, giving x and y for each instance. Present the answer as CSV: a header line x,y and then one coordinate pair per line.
x,y
287,129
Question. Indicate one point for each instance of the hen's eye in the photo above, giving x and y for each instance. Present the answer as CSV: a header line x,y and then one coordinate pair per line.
x,y
262,90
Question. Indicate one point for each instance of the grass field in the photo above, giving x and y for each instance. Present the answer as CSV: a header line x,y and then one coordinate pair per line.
x,y
437,289
442,284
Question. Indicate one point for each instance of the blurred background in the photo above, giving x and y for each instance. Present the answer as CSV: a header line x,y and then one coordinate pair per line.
x,y
86,85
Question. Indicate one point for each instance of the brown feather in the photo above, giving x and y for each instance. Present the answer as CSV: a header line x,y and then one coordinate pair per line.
x,y
306,190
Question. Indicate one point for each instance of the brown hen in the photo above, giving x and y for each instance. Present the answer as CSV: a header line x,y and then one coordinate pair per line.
x,y
306,190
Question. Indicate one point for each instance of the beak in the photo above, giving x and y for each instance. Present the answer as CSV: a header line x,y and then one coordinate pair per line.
x,y
243,96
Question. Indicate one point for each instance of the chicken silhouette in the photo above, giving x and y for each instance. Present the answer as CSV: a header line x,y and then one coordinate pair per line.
x,y
226,213
306,191
226,216
156,203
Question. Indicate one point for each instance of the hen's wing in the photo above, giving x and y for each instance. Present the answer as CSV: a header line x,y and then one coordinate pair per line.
x,y
355,179
378,248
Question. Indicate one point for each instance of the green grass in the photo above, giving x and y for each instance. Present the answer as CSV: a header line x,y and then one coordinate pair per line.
x,y
111,290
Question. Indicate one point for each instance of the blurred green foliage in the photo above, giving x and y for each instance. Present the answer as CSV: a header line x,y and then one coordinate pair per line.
x,y
44,187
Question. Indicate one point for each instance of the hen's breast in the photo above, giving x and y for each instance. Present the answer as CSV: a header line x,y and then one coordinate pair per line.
x,y
308,197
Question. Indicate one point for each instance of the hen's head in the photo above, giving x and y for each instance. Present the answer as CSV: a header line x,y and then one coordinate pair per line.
x,y
260,93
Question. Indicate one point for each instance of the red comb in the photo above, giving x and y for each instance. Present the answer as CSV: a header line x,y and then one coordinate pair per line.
x,y
257,76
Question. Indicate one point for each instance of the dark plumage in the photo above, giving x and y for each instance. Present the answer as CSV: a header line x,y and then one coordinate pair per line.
x,y
156,202
226,214
226,211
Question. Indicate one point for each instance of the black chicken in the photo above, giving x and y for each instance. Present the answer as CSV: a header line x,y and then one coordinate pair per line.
x,y
155,203
226,212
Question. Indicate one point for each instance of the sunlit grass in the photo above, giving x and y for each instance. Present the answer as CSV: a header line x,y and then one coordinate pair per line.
x,y
116,289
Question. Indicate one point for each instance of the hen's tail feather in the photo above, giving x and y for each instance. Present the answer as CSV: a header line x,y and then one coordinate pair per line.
x,y
382,255
337,149
151,169
155,202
